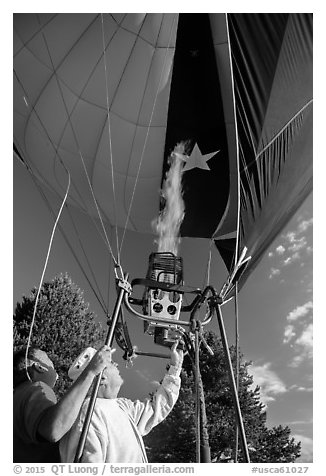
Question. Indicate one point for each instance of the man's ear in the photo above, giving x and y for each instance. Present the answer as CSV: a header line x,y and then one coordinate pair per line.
x,y
39,368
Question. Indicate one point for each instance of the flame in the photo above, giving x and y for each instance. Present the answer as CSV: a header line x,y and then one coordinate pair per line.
x,y
167,225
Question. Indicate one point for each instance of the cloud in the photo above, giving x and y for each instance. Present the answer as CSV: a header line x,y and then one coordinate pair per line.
x,y
298,388
280,250
291,259
304,347
269,382
305,340
300,311
306,389
274,272
298,332
298,245
294,247
290,237
304,225
288,333
294,239
306,448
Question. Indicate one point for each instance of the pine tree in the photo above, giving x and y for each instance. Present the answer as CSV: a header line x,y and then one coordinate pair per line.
x,y
63,325
276,445
174,439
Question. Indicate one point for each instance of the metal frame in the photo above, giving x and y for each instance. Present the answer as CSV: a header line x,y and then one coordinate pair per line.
x,y
215,303
108,341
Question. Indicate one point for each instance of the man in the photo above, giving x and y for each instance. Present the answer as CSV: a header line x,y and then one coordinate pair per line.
x,y
39,420
118,424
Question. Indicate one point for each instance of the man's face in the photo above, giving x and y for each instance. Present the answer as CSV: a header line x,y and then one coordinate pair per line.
x,y
44,368
111,381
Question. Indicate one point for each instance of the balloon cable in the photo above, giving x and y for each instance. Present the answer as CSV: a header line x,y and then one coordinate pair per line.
x,y
117,265
236,255
42,276
110,140
289,123
236,261
97,291
209,262
237,363
237,145
55,148
147,132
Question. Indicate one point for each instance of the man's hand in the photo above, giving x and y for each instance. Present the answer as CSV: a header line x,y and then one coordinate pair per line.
x,y
176,355
101,359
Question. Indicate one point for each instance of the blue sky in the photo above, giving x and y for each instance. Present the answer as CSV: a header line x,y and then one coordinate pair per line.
x,y
275,305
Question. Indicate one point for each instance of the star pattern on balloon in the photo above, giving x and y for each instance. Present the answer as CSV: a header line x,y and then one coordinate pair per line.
x,y
197,160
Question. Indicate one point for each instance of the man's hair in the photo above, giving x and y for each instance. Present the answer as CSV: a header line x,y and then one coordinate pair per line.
x,y
19,364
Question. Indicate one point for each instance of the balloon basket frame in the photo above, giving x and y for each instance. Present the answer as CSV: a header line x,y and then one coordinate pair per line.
x,y
194,327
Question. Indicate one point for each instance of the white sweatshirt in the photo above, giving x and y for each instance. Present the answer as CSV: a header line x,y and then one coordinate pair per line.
x,y
117,425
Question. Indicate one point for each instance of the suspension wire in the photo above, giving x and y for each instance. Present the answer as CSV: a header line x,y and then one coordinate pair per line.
x,y
81,155
237,143
42,277
110,139
55,148
290,121
116,263
207,275
63,203
236,255
208,266
97,293
28,167
109,281
147,133
69,115
237,360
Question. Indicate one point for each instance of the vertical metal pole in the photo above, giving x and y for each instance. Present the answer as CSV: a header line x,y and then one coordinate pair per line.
x,y
205,451
90,408
232,384
197,370
237,367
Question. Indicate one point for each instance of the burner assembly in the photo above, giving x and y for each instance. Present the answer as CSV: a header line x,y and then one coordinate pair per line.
x,y
164,268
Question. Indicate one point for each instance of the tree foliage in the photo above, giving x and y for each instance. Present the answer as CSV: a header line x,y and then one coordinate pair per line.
x,y
174,439
63,324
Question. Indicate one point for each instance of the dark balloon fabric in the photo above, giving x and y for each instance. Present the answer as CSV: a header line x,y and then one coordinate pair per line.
x,y
113,94
272,67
